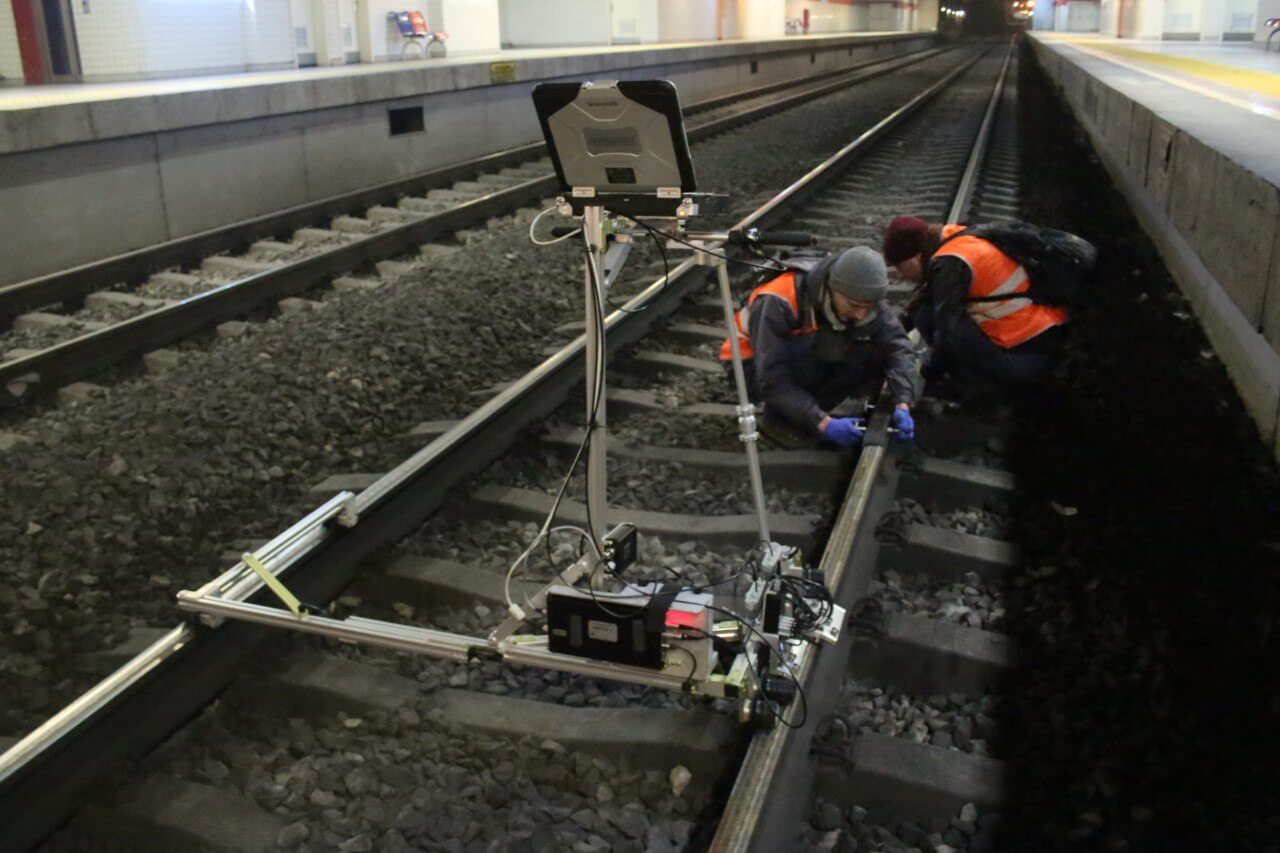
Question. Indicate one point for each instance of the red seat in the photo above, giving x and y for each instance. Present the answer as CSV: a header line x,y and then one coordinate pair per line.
x,y
413,27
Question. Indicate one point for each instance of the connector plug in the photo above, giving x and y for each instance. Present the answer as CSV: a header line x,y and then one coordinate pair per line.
x,y
830,629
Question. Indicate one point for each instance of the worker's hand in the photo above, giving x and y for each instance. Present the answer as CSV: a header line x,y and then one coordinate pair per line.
x,y
904,424
844,432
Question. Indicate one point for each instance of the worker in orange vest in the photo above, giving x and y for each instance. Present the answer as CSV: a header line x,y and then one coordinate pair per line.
x,y
817,334
973,306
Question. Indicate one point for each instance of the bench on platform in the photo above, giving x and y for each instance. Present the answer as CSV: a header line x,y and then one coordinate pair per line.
x,y
413,27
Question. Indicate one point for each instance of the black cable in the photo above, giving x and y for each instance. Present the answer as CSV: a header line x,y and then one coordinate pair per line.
x,y
693,670
791,674
584,447
777,267
666,280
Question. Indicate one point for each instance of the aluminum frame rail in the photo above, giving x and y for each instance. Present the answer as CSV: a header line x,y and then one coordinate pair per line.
x,y
765,805
43,777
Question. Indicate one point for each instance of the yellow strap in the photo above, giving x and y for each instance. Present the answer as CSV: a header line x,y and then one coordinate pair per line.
x,y
290,600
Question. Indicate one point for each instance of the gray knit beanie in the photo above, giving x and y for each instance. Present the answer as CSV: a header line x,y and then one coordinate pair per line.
x,y
859,273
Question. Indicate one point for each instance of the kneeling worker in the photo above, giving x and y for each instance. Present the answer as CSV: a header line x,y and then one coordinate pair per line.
x,y
822,332
974,304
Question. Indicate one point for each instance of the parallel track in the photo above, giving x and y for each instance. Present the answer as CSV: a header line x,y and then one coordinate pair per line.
x,y
327,240
875,780
189,666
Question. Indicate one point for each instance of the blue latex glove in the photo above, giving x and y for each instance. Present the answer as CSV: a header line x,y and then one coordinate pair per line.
x,y
904,424
845,432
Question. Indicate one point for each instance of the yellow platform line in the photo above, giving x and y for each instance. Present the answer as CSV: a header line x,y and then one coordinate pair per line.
x,y
1259,82
1091,48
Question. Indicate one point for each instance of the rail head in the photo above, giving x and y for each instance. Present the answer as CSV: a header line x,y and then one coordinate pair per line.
x,y
740,822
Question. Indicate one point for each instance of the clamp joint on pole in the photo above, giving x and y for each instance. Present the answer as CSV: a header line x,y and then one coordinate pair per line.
x,y
747,423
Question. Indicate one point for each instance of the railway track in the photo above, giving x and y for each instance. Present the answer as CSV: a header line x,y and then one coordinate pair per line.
x,y
67,327
668,761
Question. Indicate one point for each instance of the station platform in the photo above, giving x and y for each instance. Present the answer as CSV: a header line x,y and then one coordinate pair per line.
x,y
34,117
1191,134
1228,95
92,171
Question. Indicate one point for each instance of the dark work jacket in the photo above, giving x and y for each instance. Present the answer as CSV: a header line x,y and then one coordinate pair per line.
x,y
772,327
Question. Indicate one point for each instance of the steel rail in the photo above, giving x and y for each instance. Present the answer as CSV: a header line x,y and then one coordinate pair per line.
x,y
58,762
757,817
70,285
959,210
92,352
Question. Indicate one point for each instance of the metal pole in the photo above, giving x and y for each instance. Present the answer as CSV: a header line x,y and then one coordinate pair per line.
x,y
597,471
746,411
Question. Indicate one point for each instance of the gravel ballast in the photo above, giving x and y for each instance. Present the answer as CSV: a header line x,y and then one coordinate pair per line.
x,y
411,780
118,502
1144,714
967,602
851,828
952,721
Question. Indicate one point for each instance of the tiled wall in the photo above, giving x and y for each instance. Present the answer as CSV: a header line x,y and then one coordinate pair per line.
x,y
132,38
10,60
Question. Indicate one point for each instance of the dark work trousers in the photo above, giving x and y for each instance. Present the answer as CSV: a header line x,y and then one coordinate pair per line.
x,y
859,372
961,349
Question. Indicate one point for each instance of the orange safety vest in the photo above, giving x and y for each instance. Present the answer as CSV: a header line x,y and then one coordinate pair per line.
x,y
1007,322
786,287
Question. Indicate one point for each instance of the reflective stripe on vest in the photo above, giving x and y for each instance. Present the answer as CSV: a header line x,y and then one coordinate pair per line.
x,y
1007,322
785,287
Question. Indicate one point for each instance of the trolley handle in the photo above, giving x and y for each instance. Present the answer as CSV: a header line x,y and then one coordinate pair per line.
x,y
756,237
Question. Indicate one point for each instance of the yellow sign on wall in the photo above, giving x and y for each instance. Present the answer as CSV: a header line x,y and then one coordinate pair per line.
x,y
502,72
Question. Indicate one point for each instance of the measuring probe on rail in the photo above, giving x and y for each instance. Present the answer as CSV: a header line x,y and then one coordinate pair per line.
x,y
622,160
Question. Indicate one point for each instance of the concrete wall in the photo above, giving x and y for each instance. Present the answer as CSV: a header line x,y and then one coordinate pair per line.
x,y
303,43
1181,17
634,21
887,15
543,23
759,19
1202,20
472,25
1266,9
1043,13
10,59
75,203
1217,225
156,38
1131,18
1076,16
927,14
829,17
686,20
